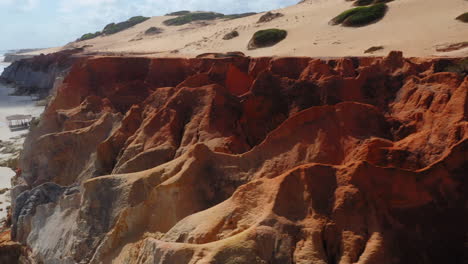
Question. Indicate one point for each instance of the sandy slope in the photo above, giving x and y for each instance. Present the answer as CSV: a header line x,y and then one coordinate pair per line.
x,y
413,26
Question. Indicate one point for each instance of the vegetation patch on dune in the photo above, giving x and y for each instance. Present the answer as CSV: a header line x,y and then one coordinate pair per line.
x,y
113,28
360,16
204,15
236,16
211,55
269,16
153,31
463,17
188,18
231,35
90,36
179,13
267,38
373,49
370,2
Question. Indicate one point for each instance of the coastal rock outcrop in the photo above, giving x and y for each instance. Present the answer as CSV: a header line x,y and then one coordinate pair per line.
x,y
38,74
10,251
16,55
12,57
248,160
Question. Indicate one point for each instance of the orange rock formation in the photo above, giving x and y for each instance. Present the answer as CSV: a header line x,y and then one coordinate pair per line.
x,y
249,160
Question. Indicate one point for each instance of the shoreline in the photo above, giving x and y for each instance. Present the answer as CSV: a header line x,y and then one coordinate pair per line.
x,y
11,143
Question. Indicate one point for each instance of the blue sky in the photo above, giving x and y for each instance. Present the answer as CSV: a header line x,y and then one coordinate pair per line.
x,y
48,23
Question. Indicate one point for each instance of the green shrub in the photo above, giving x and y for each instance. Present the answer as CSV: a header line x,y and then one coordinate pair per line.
x,y
373,49
90,36
231,35
363,2
269,16
267,37
113,28
361,16
370,2
153,31
236,16
185,19
463,17
178,13
382,1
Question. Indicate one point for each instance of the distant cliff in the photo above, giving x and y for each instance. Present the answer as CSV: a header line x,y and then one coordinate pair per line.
x,y
38,74
12,57
248,160
16,55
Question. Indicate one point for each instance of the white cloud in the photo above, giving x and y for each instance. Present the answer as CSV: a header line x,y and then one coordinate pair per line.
x,y
21,5
71,5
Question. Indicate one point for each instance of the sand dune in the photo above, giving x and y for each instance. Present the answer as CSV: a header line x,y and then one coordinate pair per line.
x,y
416,27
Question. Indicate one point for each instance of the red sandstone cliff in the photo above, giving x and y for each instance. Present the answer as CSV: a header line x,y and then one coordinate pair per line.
x,y
249,160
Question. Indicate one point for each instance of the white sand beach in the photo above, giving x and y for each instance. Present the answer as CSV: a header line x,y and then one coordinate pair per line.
x,y
10,105
5,175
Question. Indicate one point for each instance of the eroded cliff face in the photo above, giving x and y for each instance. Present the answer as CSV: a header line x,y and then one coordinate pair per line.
x,y
248,160
37,75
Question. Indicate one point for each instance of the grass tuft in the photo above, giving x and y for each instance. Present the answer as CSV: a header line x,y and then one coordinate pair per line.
x,y
231,35
185,19
373,49
360,16
267,37
463,17
113,28
153,31
179,13
236,16
269,16
90,36
370,2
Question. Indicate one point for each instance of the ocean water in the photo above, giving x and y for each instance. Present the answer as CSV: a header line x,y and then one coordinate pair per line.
x,y
11,105
2,52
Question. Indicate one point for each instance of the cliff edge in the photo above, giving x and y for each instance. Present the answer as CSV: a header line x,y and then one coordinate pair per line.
x,y
38,74
249,160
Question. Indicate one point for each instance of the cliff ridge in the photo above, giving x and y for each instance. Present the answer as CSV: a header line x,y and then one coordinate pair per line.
x,y
248,160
